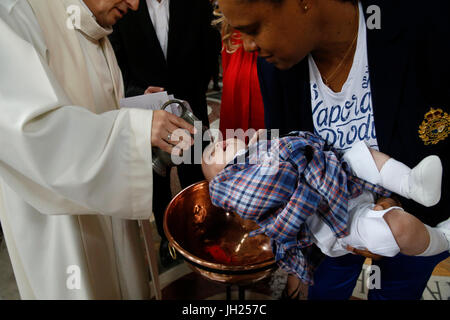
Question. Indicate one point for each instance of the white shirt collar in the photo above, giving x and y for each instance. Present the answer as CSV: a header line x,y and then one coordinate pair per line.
x,y
156,2
89,10
89,25
159,15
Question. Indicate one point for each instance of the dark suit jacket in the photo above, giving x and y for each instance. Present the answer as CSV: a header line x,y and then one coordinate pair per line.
x,y
409,74
187,71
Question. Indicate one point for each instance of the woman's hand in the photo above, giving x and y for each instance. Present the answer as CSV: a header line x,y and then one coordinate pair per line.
x,y
365,253
381,204
385,203
170,132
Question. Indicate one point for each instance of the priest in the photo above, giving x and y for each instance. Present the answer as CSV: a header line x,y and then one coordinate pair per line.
x,y
75,170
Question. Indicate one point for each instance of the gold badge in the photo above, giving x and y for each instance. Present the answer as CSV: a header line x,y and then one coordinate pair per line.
x,y
435,127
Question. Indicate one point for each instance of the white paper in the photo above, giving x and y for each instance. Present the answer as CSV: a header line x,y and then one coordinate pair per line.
x,y
153,101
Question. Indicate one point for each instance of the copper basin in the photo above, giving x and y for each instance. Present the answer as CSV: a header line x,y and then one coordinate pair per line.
x,y
215,243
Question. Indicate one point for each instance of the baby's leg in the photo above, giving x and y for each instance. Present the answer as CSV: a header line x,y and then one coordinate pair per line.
x,y
422,183
380,158
413,237
388,232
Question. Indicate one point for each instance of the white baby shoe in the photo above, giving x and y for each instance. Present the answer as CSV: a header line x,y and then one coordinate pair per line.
x,y
425,181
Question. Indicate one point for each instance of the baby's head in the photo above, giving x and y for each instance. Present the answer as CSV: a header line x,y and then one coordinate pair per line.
x,y
217,155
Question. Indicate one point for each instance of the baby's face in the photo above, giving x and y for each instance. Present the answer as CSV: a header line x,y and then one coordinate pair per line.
x,y
217,155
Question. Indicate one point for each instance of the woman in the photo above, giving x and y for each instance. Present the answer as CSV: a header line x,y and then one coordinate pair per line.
x,y
373,71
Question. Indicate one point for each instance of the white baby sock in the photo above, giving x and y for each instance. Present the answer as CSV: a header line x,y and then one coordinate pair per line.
x,y
362,164
421,184
395,177
438,242
444,227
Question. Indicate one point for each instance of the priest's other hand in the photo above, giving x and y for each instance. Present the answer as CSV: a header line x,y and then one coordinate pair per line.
x,y
151,90
170,132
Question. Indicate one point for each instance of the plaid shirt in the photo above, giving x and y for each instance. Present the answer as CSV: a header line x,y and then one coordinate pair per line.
x,y
279,184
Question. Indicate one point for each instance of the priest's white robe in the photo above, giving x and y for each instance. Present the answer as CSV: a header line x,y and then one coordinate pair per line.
x,y
72,182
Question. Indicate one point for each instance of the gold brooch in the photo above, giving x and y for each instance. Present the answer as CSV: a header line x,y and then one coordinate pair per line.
x,y
435,127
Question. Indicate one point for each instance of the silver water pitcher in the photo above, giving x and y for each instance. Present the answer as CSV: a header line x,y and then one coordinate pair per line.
x,y
161,159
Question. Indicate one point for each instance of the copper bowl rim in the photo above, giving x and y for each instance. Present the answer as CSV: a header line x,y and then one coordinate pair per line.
x,y
201,262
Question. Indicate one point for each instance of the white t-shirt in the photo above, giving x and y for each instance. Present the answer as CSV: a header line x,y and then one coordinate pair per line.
x,y
343,119
159,14
346,117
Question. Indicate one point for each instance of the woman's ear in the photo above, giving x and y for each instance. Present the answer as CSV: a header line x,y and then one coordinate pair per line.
x,y
305,5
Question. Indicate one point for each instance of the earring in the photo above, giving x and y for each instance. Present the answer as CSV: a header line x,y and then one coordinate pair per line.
x,y
306,7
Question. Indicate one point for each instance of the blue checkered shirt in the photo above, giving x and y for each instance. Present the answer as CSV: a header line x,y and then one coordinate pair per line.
x,y
279,184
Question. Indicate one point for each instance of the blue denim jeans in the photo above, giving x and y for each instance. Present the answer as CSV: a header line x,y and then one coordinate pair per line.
x,y
402,277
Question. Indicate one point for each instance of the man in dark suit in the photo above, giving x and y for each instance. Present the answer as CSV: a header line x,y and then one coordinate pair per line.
x,y
176,55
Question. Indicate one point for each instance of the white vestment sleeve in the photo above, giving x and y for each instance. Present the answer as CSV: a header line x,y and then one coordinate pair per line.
x,y
64,159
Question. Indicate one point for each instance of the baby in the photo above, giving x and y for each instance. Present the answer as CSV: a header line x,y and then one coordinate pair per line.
x,y
302,192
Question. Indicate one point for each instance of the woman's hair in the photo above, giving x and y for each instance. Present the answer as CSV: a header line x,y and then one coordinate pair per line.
x,y
230,37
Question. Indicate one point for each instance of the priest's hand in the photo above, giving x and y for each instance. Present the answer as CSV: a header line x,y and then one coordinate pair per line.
x,y
171,133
